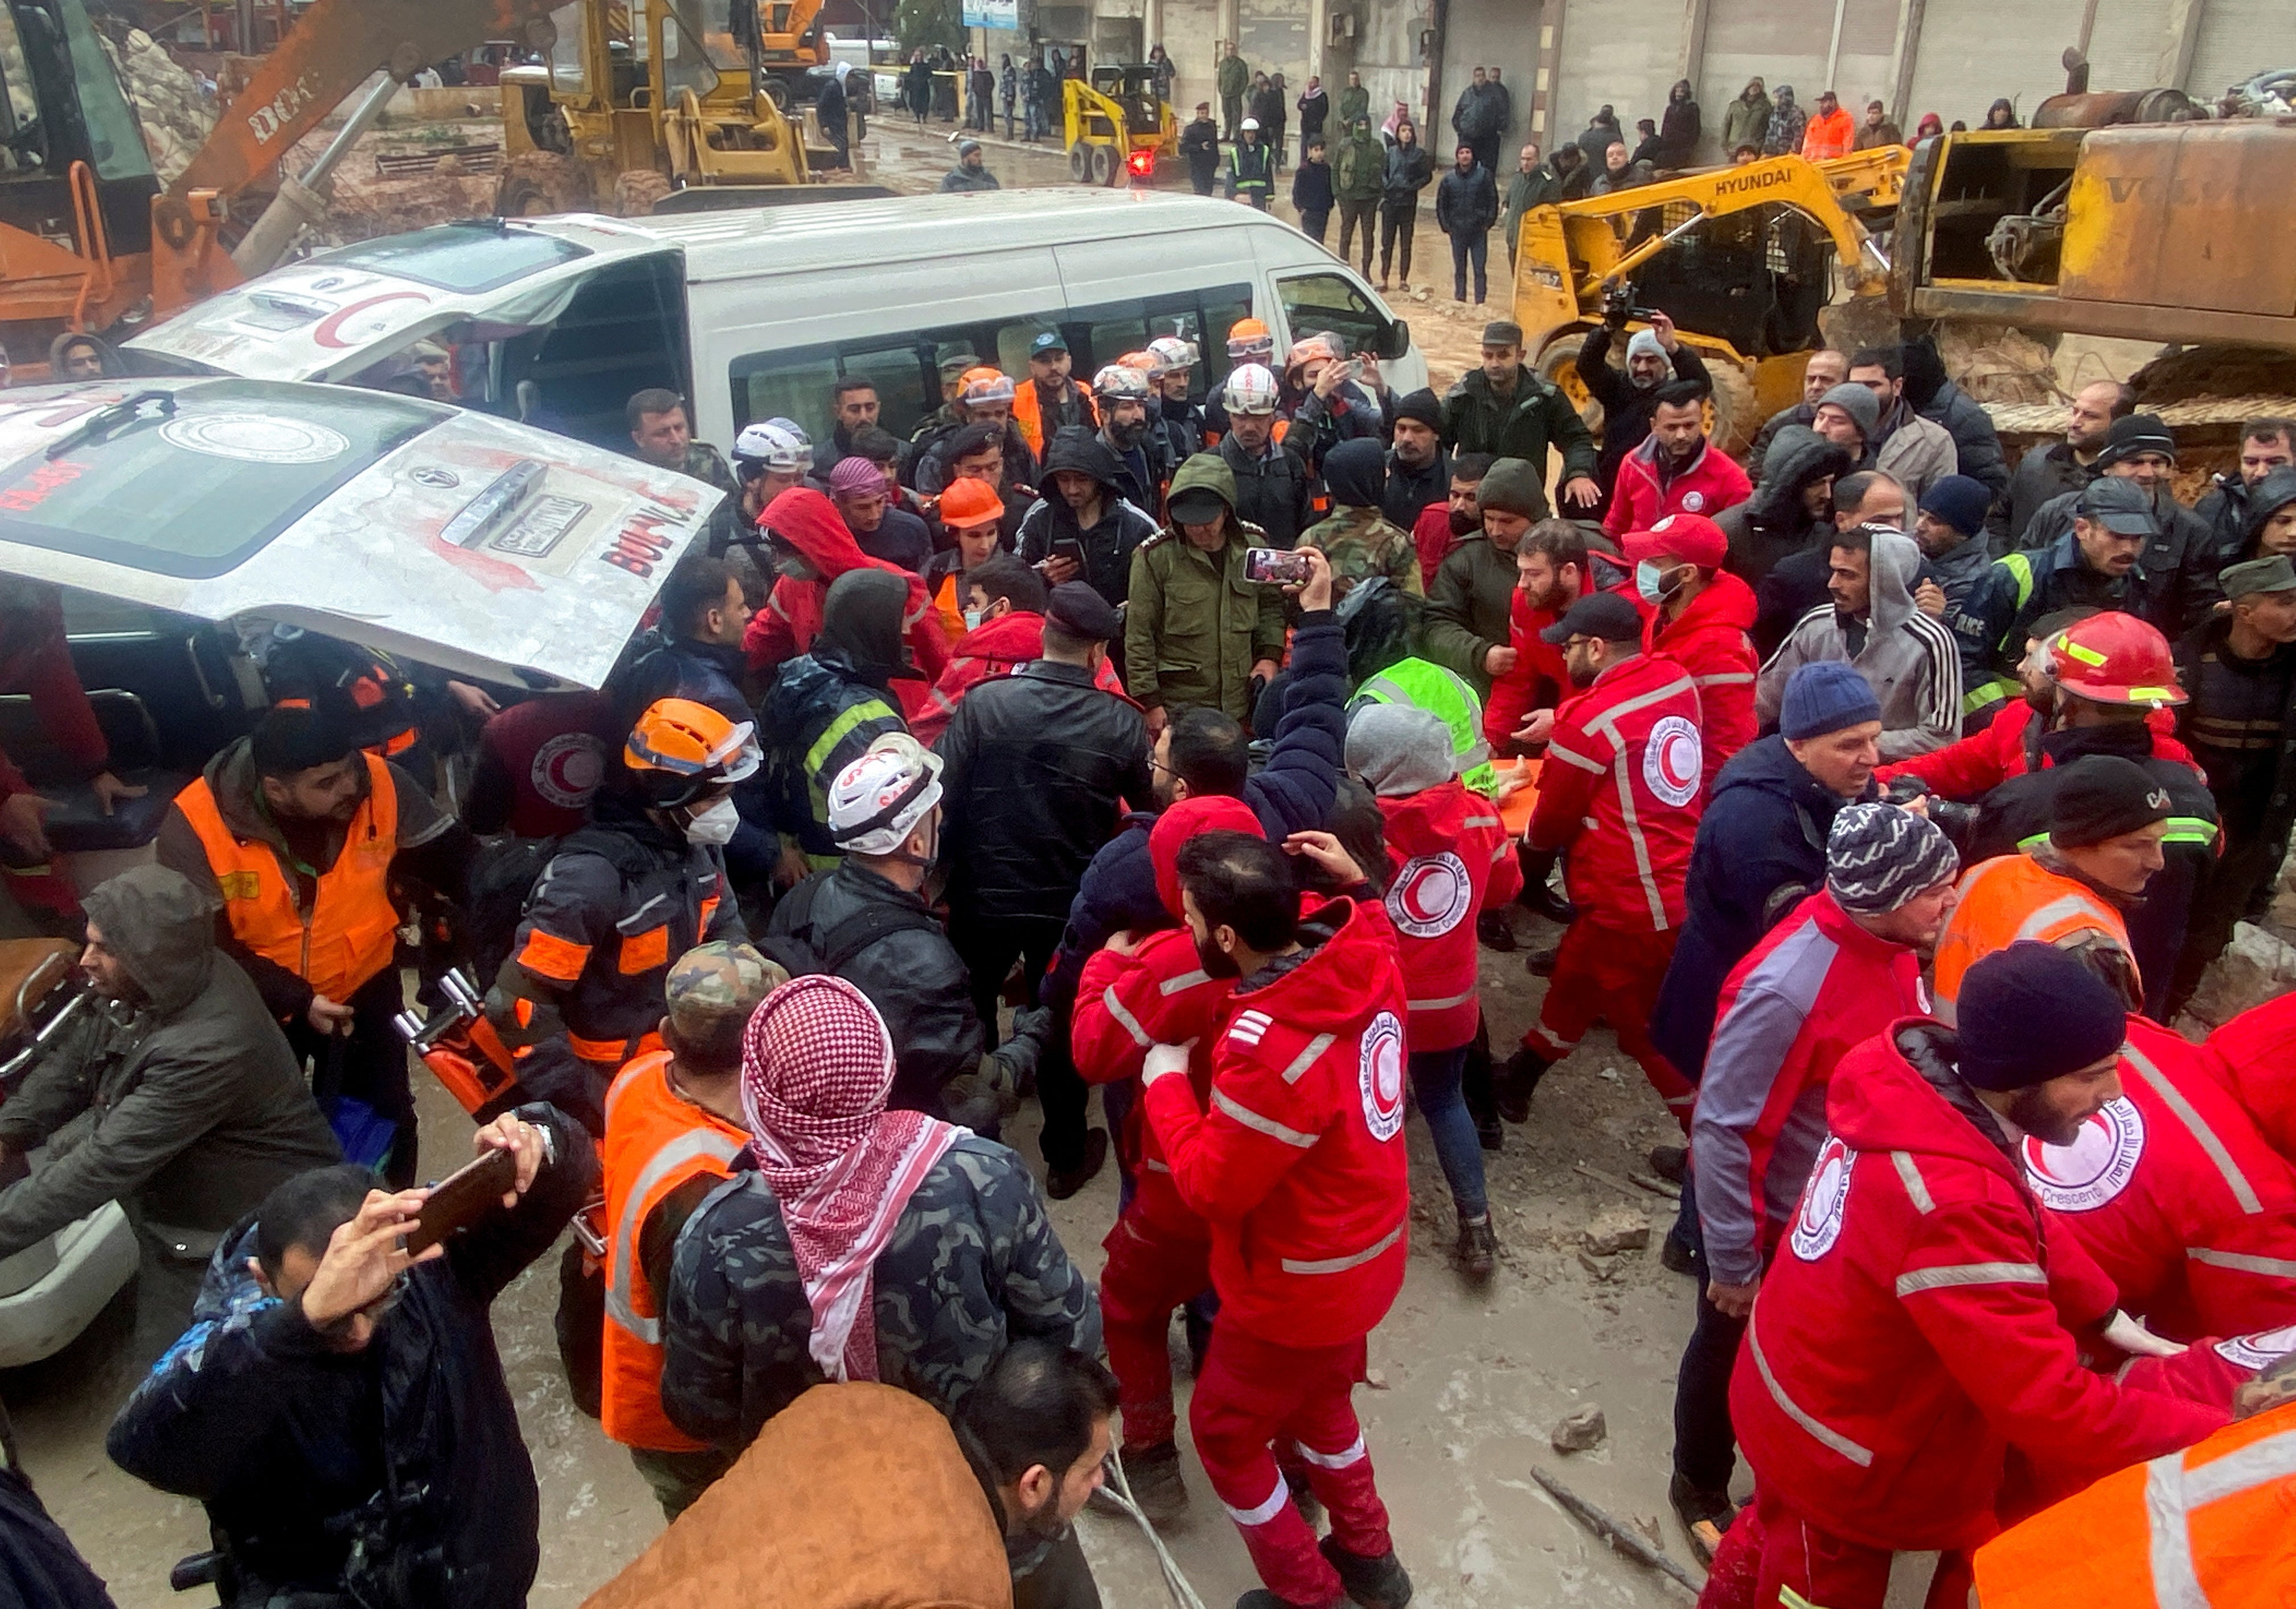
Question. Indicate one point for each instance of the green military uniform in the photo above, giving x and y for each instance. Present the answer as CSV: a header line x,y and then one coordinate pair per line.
x,y
1232,78
1355,101
1360,166
1449,698
1361,544
704,462
1192,626
1477,420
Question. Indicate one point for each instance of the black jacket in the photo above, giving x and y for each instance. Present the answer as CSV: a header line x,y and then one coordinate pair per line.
x,y
1627,408
1466,203
402,1463
1773,524
1976,445
2043,473
911,976
1761,848
2259,803
1311,187
1275,493
1108,545
1200,146
1411,488
707,673
1409,170
1037,763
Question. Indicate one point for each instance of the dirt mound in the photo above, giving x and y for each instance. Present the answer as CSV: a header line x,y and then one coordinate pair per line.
x,y
2198,372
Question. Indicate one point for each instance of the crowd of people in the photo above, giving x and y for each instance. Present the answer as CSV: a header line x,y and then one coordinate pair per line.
x,y
1890,802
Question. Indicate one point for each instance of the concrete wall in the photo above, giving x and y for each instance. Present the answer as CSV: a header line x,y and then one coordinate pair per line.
x,y
1622,53
1488,36
1387,54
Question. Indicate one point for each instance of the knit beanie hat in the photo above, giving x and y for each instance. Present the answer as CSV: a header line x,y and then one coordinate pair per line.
x,y
1644,343
2032,1012
1859,403
1398,749
2135,433
1878,857
2101,796
1512,486
1422,406
1960,502
1823,696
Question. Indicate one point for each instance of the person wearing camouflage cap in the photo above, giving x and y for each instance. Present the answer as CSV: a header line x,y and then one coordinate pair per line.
x,y
674,1127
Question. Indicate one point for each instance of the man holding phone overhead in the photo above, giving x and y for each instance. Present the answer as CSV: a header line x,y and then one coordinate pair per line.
x,y
1198,632
327,1363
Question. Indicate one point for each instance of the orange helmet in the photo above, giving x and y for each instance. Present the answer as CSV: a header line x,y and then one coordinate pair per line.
x,y
969,502
2115,659
984,384
681,750
1249,340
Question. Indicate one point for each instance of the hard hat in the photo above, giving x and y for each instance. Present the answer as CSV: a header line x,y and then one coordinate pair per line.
x,y
767,448
1306,349
982,385
1249,338
680,749
1251,389
1119,382
968,502
1174,353
876,802
1250,123
1145,361
2115,659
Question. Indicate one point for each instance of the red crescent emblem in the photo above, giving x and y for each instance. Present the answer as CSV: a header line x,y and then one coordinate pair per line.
x,y
330,332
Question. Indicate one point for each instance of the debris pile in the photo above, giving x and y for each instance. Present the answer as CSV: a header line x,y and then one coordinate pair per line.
x,y
173,109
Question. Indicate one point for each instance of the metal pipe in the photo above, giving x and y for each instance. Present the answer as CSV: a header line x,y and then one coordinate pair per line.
x,y
302,202
1834,44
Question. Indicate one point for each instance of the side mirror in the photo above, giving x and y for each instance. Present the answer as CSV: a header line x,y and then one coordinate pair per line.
x,y
1396,342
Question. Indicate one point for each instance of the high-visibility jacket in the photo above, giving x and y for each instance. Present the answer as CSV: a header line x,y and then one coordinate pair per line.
x,y
2014,897
350,933
1027,412
656,1141
1449,698
2208,1526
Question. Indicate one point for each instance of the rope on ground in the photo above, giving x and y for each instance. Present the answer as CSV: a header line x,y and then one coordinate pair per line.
x,y
1119,1491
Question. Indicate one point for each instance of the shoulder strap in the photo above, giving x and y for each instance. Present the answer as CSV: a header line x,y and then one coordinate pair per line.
x,y
864,928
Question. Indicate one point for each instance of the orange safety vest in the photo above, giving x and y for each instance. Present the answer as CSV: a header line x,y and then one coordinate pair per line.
x,y
1026,414
2214,1525
656,1141
2011,897
351,930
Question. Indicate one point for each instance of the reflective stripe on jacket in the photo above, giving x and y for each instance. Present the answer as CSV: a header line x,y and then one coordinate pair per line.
x,y
2013,898
350,933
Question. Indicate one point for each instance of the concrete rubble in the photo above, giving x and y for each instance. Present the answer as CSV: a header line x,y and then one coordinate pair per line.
x,y
176,113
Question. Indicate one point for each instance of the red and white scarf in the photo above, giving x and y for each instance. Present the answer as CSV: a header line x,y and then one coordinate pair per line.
x,y
816,1062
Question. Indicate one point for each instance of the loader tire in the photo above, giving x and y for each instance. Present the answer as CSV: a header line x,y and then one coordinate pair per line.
x,y
639,190
535,184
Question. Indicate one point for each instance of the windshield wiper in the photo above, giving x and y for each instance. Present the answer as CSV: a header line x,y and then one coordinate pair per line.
x,y
101,425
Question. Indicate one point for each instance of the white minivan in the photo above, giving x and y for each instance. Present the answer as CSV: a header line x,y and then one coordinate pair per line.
x,y
756,313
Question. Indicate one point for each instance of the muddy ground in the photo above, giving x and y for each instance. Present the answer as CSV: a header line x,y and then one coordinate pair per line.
x,y
1467,1384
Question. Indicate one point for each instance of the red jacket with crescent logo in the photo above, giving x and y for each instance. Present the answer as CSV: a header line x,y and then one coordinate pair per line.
x,y
1298,1163
1621,793
1160,995
1449,858
1709,640
2256,1051
1918,1324
1643,496
2178,1197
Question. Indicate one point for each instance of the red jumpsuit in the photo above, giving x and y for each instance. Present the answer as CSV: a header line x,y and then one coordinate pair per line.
x,y
1299,1166
1708,639
1159,1248
1915,1332
2256,1051
2181,1201
1450,856
1620,795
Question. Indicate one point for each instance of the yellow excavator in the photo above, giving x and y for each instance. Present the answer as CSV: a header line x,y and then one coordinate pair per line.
x,y
642,100
1741,259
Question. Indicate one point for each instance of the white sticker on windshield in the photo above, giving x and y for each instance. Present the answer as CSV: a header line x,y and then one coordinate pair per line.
x,y
256,438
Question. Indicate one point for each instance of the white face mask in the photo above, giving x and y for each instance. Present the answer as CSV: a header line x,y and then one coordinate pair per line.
x,y
714,824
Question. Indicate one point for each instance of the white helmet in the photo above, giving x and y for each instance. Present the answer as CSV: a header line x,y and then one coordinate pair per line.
x,y
1251,389
1250,123
768,449
1174,354
876,802
1119,382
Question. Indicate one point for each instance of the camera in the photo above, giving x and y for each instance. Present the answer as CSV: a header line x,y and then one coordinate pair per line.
x,y
1619,306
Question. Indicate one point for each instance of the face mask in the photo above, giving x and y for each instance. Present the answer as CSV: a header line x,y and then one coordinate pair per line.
x,y
973,619
714,824
1648,581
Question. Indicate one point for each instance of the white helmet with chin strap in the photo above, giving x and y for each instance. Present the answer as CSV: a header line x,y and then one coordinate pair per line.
x,y
769,448
1251,389
876,802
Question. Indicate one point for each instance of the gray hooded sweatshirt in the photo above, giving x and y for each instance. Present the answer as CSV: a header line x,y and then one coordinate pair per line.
x,y
1909,657
198,1106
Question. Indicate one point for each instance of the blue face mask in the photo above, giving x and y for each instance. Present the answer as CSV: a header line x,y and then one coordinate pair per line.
x,y
973,619
1647,577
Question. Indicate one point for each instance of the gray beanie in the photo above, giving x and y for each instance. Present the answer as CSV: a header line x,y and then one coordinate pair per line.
x,y
1400,750
1859,403
1514,486
1878,857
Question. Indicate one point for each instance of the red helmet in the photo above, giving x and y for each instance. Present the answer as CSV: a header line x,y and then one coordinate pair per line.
x,y
2115,659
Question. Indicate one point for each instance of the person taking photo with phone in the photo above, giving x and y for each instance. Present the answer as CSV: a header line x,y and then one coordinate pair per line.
x,y
337,1403
1198,633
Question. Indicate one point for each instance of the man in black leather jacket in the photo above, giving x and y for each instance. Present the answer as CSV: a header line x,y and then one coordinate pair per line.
x,y
1039,764
340,1408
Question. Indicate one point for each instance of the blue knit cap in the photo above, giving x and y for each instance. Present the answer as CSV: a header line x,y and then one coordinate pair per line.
x,y
1960,501
1825,696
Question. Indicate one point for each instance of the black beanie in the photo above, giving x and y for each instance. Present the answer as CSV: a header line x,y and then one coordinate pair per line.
x,y
2032,1012
291,739
2101,796
1422,405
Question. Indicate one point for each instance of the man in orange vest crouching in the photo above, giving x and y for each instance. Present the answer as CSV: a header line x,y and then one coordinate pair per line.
x,y
1920,1338
299,834
674,1127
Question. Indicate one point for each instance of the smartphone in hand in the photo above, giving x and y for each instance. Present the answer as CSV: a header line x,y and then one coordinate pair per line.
x,y
462,1198
1273,567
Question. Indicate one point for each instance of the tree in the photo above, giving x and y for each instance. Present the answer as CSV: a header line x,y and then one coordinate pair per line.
x,y
925,23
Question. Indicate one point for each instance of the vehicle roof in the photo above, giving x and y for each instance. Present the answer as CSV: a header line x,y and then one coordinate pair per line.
x,y
839,235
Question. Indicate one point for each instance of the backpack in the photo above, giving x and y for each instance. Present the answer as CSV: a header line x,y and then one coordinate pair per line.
x,y
806,953
503,878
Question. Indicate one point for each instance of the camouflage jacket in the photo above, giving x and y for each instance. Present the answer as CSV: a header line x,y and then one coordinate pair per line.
x,y
705,462
973,1262
1360,544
